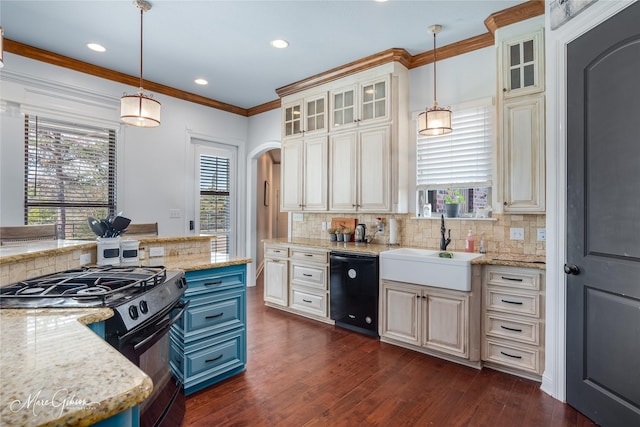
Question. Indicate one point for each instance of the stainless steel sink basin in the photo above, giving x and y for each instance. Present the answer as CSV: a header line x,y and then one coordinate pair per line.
x,y
426,267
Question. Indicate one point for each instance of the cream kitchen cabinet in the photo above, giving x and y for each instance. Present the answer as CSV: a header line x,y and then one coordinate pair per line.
x,y
360,103
521,63
521,117
309,282
523,155
430,319
513,320
367,138
359,170
304,174
276,274
306,116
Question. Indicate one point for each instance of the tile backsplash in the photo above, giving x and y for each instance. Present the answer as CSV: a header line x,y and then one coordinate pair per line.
x,y
425,233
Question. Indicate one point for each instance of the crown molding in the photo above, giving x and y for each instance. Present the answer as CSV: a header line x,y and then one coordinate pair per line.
x,y
454,49
511,15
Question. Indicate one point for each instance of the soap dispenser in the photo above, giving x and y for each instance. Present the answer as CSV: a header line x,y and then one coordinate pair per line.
x,y
469,244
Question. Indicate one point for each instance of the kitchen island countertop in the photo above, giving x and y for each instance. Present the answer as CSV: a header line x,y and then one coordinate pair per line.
x,y
56,371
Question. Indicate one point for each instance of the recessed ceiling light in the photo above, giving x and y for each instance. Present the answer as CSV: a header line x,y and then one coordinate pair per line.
x,y
381,1
201,82
280,44
96,47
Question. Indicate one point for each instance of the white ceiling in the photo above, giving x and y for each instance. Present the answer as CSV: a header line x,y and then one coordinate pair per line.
x,y
228,42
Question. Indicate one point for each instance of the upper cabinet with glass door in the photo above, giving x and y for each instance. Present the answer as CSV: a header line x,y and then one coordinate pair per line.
x,y
305,116
360,103
523,65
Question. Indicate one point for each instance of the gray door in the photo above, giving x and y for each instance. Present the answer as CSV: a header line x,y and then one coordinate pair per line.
x,y
603,223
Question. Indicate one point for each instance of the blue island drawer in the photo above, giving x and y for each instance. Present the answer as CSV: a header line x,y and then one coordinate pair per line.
x,y
214,314
215,279
215,357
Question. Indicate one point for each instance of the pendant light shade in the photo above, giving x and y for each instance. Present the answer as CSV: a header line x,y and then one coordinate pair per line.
x,y
140,110
435,120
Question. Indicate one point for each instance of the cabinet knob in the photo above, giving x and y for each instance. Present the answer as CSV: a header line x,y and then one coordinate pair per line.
x,y
504,89
505,203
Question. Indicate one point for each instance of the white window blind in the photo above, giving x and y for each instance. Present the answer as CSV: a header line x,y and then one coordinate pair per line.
x,y
215,202
70,174
462,158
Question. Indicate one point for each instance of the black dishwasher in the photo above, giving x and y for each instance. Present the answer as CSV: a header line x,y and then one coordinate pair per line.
x,y
353,291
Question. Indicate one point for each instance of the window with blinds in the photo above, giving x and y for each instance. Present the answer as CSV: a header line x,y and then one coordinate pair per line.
x,y
462,158
70,174
215,201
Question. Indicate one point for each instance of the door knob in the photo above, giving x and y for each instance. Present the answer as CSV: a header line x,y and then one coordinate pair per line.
x,y
571,269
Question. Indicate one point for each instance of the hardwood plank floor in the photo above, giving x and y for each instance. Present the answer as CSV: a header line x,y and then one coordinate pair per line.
x,y
304,373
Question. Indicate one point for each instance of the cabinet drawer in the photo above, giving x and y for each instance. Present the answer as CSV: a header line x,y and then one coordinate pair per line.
x,y
505,301
518,329
309,256
315,277
176,360
214,315
213,357
215,279
276,252
514,278
309,302
514,356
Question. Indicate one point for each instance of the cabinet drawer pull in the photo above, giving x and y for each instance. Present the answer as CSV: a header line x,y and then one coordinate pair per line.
x,y
307,275
510,329
178,361
214,316
308,254
217,282
276,251
307,301
513,279
214,359
274,260
511,302
510,355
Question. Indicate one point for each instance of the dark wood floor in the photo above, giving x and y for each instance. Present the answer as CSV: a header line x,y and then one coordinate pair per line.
x,y
305,373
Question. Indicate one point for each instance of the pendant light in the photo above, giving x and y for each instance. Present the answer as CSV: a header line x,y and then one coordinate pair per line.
x,y
140,110
436,120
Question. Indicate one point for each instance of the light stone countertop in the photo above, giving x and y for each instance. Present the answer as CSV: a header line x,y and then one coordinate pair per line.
x,y
56,371
510,260
195,262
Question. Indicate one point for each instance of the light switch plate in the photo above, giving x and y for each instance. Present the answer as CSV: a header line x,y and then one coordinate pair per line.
x,y
516,233
174,213
542,234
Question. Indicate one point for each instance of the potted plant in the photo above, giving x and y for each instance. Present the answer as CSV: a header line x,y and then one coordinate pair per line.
x,y
332,234
339,234
452,201
346,234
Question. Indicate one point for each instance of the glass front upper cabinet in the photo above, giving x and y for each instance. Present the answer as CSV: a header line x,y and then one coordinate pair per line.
x,y
523,67
360,104
305,116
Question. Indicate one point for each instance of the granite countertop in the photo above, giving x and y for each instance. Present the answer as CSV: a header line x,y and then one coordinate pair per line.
x,y
510,260
196,262
56,371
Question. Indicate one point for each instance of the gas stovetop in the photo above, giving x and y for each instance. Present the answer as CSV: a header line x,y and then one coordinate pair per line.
x,y
93,286
135,293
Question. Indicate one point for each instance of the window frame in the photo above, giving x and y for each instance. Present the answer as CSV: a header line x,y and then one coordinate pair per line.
x,y
74,131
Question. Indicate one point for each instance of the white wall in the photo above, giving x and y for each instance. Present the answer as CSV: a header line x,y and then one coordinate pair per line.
x,y
155,166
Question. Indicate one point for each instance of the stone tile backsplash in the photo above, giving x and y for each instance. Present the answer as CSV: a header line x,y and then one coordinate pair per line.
x,y
425,233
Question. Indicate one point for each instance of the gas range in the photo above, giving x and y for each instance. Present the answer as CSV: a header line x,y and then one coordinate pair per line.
x,y
135,293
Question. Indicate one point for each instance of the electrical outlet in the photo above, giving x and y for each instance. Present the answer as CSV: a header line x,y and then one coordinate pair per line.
x,y
516,233
174,213
157,251
298,216
542,234
324,226
85,259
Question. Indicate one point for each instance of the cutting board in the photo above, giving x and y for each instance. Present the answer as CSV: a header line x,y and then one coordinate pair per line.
x,y
345,223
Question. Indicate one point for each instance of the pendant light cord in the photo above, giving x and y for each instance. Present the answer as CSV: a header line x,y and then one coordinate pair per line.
x,y
435,102
141,13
